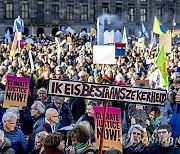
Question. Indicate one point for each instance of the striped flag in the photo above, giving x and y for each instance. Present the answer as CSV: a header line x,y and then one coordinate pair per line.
x,y
14,46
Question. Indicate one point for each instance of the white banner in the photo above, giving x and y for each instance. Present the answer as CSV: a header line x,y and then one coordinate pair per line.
x,y
103,54
107,92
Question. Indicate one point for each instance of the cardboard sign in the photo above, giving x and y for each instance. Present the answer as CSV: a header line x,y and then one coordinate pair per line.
x,y
166,40
120,49
104,54
113,129
107,92
16,92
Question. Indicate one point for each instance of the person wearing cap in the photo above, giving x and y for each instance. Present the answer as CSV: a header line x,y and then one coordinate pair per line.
x,y
133,144
65,115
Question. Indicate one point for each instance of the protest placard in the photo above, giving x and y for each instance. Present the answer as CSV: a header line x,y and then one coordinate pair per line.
x,y
16,92
120,49
107,92
166,40
113,128
103,54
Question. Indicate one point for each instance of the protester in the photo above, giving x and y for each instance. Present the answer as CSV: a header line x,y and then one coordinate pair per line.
x,y
65,115
133,143
166,145
39,143
175,119
49,122
37,113
14,134
80,141
5,144
54,144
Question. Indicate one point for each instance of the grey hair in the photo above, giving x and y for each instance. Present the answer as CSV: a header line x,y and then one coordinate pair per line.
x,y
137,126
14,110
7,116
42,89
1,133
38,105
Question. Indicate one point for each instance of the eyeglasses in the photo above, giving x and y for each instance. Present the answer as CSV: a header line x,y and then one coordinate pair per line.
x,y
162,132
56,116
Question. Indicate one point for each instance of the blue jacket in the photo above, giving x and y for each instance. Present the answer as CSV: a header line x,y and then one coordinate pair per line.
x,y
17,138
175,121
65,114
37,122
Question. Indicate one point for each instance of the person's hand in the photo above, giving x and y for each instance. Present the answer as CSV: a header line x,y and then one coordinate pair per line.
x,y
133,121
70,150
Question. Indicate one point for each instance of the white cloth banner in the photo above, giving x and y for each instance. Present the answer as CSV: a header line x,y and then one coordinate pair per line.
x,y
103,54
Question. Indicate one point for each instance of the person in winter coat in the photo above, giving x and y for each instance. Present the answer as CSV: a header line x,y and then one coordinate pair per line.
x,y
14,134
133,143
75,104
165,141
5,145
80,137
49,122
37,113
175,119
65,115
153,121
54,144
89,117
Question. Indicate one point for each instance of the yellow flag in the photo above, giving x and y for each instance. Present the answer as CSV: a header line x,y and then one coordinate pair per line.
x,y
158,28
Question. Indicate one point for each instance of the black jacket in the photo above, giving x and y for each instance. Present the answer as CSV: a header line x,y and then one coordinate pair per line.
x,y
139,149
165,150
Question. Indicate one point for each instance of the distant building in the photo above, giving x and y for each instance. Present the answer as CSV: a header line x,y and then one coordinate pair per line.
x,y
48,16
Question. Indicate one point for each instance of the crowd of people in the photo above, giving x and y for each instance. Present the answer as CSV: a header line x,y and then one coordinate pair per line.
x,y
59,125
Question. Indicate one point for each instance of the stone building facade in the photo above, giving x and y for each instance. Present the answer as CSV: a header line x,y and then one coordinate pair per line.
x,y
48,16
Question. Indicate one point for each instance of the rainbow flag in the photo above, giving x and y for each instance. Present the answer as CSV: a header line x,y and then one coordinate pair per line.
x,y
158,28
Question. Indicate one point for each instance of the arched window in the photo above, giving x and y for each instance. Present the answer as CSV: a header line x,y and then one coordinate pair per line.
x,y
40,30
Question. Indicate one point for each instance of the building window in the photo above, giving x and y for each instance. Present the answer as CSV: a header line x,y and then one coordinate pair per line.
x,y
40,11
25,11
158,0
70,10
55,11
171,14
105,7
118,11
159,13
171,0
84,12
131,13
143,0
143,14
9,10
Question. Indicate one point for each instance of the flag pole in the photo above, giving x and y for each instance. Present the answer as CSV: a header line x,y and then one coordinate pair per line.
x,y
103,127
